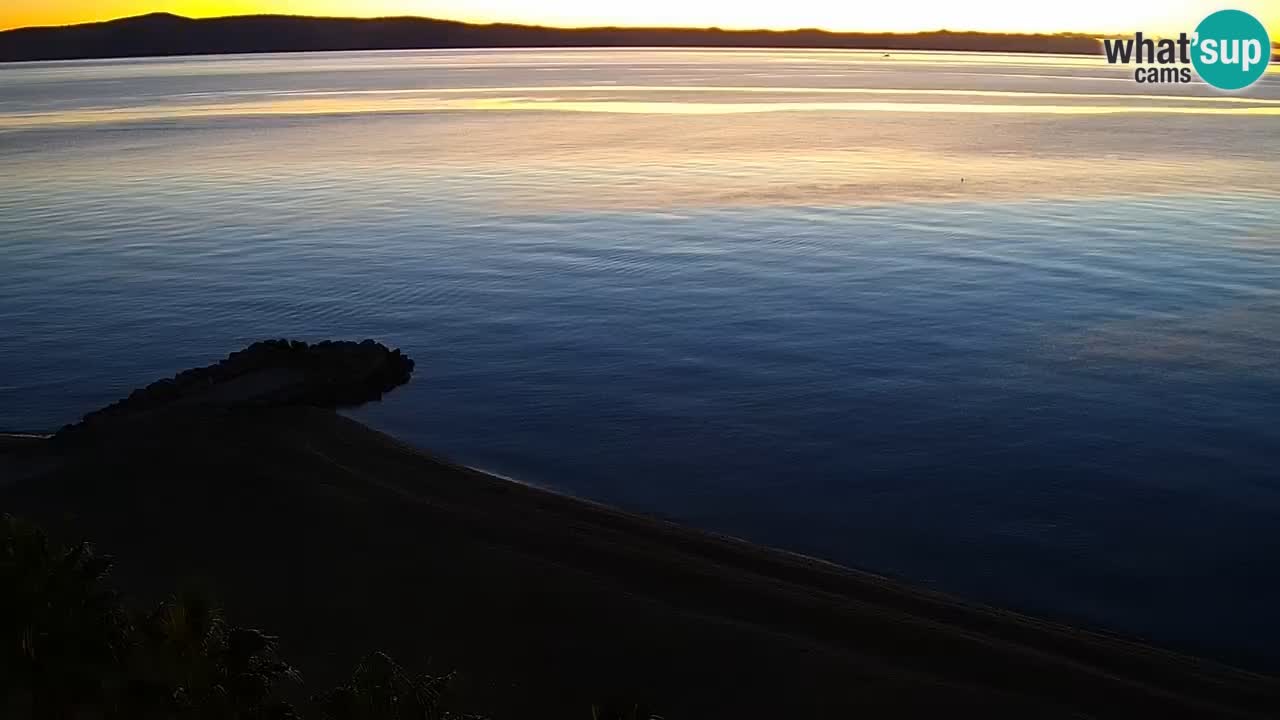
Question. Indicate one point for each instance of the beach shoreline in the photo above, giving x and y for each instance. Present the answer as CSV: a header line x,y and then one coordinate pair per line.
x,y
344,539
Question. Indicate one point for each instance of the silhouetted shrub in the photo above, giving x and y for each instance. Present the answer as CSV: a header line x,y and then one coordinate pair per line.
x,y
187,662
381,690
64,634
70,649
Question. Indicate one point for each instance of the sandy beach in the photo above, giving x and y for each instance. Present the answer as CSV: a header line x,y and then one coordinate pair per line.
x,y
343,540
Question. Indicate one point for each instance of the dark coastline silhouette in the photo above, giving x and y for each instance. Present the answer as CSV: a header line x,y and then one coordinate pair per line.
x,y
268,373
162,34
342,540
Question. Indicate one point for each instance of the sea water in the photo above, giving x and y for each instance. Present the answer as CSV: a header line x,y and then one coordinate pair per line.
x,y
1005,326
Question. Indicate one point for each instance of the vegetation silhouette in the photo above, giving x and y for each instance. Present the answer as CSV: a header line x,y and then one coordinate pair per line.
x,y
71,649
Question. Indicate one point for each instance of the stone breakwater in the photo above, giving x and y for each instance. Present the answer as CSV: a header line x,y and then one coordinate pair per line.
x,y
268,373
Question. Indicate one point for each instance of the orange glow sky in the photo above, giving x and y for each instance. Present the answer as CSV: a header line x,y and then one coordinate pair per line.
x,y
1119,16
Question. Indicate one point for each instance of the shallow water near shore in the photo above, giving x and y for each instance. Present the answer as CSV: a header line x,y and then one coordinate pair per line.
x,y
1008,327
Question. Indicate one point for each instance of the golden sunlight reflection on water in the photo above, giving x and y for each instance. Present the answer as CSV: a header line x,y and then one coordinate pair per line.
x,y
659,129
361,105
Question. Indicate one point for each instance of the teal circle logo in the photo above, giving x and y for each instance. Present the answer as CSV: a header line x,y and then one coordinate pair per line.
x,y
1232,50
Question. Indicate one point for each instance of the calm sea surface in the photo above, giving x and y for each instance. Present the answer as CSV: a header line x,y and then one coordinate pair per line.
x,y
1006,326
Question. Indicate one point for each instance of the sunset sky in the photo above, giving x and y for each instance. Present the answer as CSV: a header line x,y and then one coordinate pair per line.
x,y
1152,16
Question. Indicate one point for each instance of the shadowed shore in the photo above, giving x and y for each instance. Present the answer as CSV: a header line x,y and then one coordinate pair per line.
x,y
343,540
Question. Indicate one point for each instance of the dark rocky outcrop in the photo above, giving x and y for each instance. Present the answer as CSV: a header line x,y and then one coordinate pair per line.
x,y
266,374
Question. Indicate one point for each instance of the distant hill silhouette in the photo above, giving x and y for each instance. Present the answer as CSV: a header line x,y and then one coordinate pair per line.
x,y
165,34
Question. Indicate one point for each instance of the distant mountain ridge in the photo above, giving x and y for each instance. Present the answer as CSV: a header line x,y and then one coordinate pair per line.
x,y
163,34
